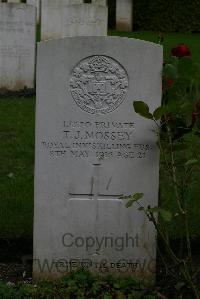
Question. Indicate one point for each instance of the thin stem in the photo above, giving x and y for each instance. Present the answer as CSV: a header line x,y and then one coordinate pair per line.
x,y
161,148
174,172
187,232
196,273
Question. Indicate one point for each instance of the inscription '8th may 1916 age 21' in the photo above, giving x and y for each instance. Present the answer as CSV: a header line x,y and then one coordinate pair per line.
x,y
98,84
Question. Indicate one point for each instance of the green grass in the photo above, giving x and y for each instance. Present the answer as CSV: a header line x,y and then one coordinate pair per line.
x,y
17,152
16,166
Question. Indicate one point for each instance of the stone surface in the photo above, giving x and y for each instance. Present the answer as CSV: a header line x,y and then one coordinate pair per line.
x,y
14,1
17,46
124,15
37,4
91,147
60,20
100,2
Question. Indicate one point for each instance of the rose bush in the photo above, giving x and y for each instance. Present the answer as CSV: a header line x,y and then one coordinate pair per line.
x,y
181,50
178,130
181,91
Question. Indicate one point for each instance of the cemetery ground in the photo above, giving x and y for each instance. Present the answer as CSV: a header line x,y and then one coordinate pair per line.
x,y
17,125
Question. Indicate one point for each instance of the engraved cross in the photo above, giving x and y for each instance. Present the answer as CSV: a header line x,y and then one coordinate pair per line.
x,y
94,194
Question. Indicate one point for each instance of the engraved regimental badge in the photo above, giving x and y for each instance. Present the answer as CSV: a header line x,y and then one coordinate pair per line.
x,y
98,84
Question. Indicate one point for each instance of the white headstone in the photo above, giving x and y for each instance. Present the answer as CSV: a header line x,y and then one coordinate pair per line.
x,y
17,46
91,147
14,1
124,15
60,20
36,3
99,2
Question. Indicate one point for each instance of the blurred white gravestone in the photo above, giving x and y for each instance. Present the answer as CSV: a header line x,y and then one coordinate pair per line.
x,y
14,1
124,15
37,4
59,19
91,147
17,46
100,2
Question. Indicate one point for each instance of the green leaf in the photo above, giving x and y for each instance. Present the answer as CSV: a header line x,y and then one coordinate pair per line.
x,y
170,71
191,162
142,109
166,215
158,113
135,197
173,60
130,203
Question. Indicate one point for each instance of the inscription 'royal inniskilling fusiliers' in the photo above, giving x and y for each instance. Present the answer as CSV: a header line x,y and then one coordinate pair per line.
x,y
99,84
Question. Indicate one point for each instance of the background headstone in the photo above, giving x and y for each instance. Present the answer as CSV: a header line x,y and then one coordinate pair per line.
x,y
91,147
14,1
17,46
124,15
100,2
59,19
37,4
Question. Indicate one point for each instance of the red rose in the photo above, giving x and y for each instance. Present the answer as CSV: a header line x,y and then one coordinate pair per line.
x,y
167,83
181,50
170,83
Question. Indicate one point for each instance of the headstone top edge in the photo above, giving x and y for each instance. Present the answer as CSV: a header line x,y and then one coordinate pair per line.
x,y
16,4
105,38
86,4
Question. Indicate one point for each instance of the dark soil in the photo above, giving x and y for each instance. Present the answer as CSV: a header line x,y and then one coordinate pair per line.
x,y
15,260
26,92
